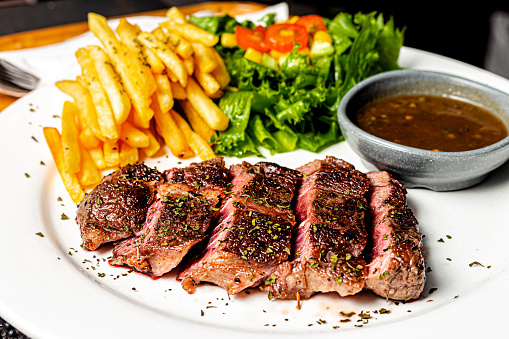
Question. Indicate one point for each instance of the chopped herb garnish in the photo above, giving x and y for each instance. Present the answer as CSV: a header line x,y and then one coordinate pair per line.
x,y
475,263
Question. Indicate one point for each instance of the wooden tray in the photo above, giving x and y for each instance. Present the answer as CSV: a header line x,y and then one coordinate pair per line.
x,y
51,35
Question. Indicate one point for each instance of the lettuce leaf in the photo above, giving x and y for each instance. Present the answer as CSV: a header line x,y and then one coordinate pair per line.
x,y
234,141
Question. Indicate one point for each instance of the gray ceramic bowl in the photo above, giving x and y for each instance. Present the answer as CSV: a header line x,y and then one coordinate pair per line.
x,y
439,171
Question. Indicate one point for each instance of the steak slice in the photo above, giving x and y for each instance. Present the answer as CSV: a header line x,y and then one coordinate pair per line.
x,y
396,269
254,233
178,219
116,208
331,235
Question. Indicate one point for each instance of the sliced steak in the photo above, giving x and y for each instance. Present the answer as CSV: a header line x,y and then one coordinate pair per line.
x,y
331,236
254,233
178,219
396,269
116,208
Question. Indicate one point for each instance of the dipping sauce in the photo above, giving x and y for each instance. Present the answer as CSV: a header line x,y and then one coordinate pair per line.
x,y
431,123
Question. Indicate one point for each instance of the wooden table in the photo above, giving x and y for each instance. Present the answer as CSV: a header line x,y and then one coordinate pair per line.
x,y
51,35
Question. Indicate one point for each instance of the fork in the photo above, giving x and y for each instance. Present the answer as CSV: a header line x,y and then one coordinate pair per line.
x,y
14,81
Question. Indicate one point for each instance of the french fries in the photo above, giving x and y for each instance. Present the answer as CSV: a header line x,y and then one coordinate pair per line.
x,y
97,156
88,175
191,32
207,82
205,107
70,137
153,145
176,15
128,154
173,63
88,139
164,92
197,123
197,144
138,83
111,153
178,91
171,133
99,97
70,180
220,73
123,102
133,136
87,116
204,58
119,101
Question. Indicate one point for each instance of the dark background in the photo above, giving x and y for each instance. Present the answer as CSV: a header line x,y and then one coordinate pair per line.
x,y
459,31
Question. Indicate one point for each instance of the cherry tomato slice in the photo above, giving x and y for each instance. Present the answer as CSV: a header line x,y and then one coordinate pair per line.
x,y
251,38
281,37
312,23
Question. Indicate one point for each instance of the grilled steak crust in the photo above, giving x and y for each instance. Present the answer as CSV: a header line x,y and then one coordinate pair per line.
x,y
208,178
396,269
179,218
254,233
331,235
116,208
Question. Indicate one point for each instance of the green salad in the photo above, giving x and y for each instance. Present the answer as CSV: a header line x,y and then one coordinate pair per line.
x,y
291,102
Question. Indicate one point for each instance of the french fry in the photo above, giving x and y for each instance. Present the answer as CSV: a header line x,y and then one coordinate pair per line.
x,y
172,76
97,156
156,65
207,82
154,145
169,58
159,33
191,32
216,95
133,136
70,180
88,175
87,117
70,133
176,15
197,144
137,121
189,65
181,46
111,153
178,91
172,135
164,94
99,97
88,139
220,72
197,123
128,154
205,107
110,81
138,84
204,58
128,35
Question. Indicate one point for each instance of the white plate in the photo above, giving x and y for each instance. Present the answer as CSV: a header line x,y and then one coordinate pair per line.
x,y
51,288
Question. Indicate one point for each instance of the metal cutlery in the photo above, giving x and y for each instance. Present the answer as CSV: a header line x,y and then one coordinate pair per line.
x,y
14,81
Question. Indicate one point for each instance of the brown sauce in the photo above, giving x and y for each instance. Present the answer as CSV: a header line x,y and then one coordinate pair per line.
x,y
431,122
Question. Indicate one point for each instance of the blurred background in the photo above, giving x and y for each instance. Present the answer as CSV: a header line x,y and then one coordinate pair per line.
x,y
475,33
